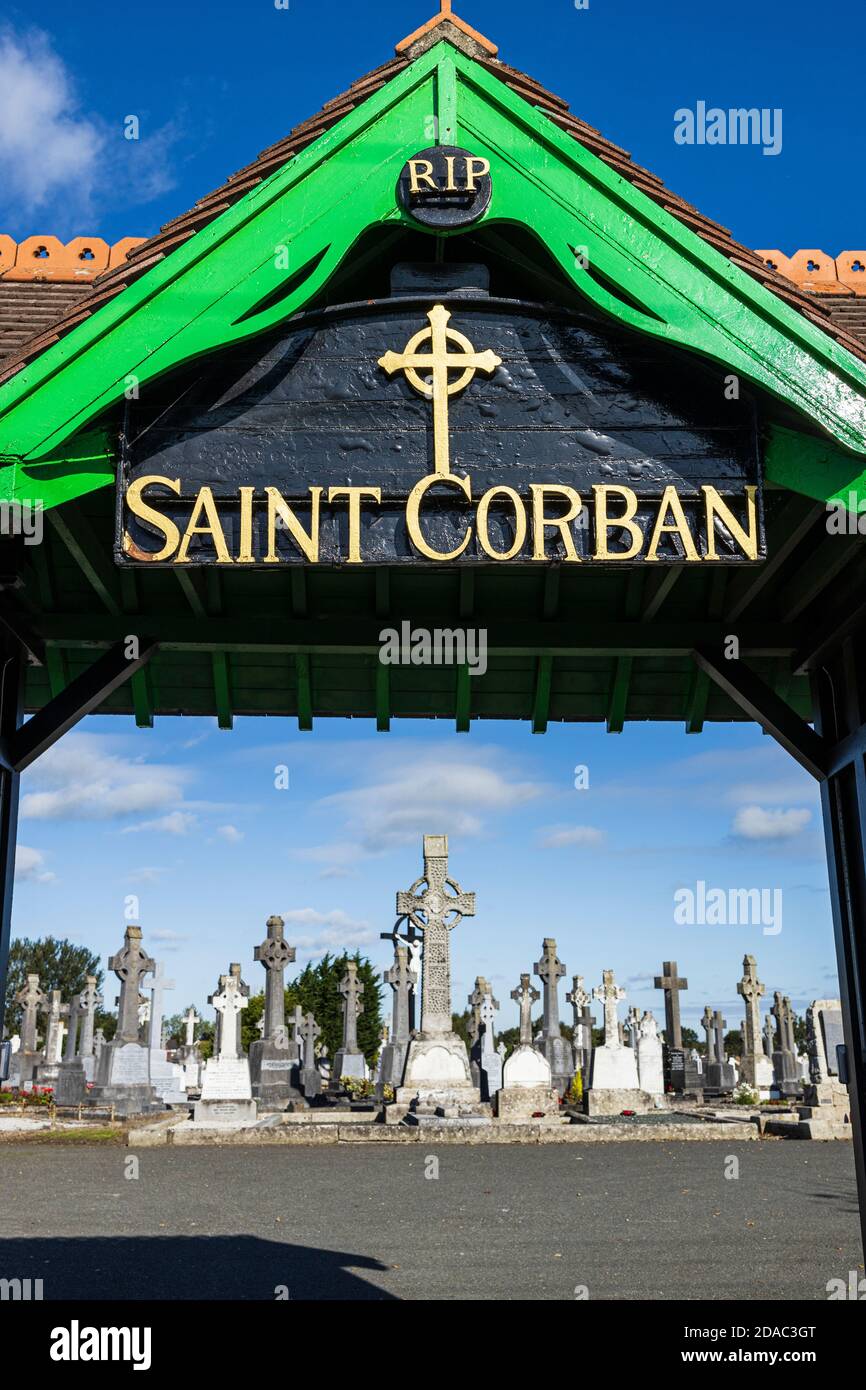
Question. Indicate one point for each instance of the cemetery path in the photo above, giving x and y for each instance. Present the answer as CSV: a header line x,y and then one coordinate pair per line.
x,y
623,1221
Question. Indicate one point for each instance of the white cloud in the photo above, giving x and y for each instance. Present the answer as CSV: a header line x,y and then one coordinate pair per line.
x,y
59,160
175,823
565,836
29,865
168,940
337,931
758,823
230,834
81,779
430,792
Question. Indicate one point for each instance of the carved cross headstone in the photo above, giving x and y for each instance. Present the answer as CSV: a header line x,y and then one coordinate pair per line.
x,y
778,1012
297,1024
550,971
610,994
751,990
129,965
436,912
633,1025
157,985
580,1000
525,995
769,1036
487,1021
73,1012
229,1005
190,1019
353,993
33,1001
719,1026
275,954
244,991
310,1033
671,984
89,1000
708,1027
474,1000
790,1040
401,979
56,1011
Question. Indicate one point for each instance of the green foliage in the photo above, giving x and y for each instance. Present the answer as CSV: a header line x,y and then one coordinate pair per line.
x,y
460,1025
250,1019
734,1043
690,1037
317,990
59,965
800,1033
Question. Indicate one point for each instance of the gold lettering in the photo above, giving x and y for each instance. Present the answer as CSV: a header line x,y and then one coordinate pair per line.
x,y
245,526
747,540
279,507
413,507
540,521
204,503
519,523
475,166
139,508
354,495
451,186
671,502
605,523
416,166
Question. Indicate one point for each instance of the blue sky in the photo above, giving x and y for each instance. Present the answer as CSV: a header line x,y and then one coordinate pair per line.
x,y
214,84
187,818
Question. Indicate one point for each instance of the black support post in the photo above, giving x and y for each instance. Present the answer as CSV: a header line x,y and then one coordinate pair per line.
x,y
839,703
11,699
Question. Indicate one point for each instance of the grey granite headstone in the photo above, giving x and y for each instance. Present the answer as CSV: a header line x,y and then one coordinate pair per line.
x,y
555,1047
349,1060
32,1001
122,1075
275,1057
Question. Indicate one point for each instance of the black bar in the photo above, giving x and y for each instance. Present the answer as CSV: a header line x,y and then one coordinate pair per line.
x,y
838,694
768,709
81,697
11,706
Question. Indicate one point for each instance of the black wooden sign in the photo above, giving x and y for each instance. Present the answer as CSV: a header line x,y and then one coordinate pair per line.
x,y
442,426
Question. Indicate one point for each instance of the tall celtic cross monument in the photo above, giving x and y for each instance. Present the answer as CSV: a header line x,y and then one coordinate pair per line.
x,y
437,1065
436,912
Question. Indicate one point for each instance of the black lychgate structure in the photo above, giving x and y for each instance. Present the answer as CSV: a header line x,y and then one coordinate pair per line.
x,y
575,414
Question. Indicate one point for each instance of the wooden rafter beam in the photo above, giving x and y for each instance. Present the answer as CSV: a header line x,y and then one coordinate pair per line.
x,y
82,696
789,529
305,691
383,697
88,552
360,636
463,699
541,699
763,705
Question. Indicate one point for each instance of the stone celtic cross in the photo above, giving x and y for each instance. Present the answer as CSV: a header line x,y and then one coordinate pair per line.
x,y
719,1026
353,993
475,1000
525,995
436,913
229,1005
708,1026
55,1012
158,985
751,990
550,971
487,1020
130,965
33,1001
610,994
275,954
89,1001
401,979
671,984
310,1033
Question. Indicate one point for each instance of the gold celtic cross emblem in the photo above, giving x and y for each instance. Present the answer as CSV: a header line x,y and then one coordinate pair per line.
x,y
439,362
